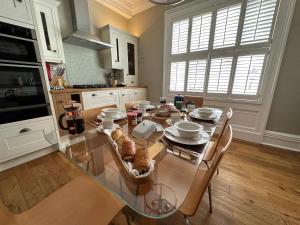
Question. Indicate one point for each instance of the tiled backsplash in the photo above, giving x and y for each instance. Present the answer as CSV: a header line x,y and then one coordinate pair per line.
x,y
83,66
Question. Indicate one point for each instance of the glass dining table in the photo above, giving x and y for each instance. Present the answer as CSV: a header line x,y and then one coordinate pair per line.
x,y
157,196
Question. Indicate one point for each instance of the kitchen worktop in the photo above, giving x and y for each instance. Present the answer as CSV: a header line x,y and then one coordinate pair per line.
x,y
78,90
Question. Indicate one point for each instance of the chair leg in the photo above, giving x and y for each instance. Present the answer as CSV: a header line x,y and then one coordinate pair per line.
x,y
187,220
209,197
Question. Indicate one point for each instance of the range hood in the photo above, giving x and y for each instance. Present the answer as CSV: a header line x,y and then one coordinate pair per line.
x,y
82,35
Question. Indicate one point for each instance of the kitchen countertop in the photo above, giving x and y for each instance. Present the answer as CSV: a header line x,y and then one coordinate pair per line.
x,y
78,90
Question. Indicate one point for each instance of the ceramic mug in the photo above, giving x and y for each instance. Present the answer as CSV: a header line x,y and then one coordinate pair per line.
x,y
190,107
107,123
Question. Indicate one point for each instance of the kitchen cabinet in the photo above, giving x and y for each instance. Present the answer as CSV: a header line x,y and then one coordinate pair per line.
x,y
123,55
138,94
96,99
26,137
48,30
124,97
17,10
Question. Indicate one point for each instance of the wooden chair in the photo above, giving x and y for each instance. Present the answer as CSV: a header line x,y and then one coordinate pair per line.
x,y
130,106
212,148
82,201
202,180
198,101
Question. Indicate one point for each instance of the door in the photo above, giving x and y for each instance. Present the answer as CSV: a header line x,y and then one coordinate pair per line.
x,y
48,28
131,61
16,10
124,98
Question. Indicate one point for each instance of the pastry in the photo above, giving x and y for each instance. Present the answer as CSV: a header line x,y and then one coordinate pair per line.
x,y
142,160
128,150
120,141
165,111
116,134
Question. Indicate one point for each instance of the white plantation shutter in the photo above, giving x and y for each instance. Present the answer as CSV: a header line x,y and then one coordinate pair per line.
x,y
227,26
219,75
177,76
248,74
258,21
200,32
196,75
180,36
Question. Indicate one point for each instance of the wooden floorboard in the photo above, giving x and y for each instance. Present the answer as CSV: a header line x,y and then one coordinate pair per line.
x,y
257,185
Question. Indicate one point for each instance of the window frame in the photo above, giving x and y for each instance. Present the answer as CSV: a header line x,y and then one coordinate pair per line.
x,y
238,50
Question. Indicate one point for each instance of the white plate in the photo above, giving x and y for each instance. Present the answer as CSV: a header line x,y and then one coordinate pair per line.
x,y
149,107
170,133
107,131
196,115
119,116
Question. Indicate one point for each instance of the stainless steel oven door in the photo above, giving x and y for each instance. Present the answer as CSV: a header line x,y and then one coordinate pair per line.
x,y
23,92
21,50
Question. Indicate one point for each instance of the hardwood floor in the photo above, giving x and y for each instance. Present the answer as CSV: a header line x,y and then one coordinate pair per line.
x,y
256,186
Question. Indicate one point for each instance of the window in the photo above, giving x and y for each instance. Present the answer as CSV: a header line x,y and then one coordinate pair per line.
x,y
221,51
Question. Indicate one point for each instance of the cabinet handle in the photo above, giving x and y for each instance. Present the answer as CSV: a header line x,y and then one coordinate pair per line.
x,y
53,50
93,95
24,130
123,95
135,93
110,93
20,0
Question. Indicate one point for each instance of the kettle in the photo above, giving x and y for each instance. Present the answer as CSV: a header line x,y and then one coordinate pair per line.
x,y
74,117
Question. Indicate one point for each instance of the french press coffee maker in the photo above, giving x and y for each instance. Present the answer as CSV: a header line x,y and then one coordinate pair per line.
x,y
74,117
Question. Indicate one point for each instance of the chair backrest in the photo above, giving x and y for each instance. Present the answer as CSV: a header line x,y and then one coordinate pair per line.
x,y
209,156
200,185
198,101
223,146
129,106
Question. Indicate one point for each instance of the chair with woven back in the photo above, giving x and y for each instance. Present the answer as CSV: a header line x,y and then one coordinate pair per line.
x,y
212,148
82,201
198,101
202,180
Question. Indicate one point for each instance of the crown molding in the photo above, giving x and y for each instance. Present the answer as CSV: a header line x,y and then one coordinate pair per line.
x,y
127,8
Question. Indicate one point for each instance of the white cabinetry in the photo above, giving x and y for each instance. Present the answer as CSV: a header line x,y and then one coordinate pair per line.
x,y
17,10
124,97
25,137
138,94
49,30
96,99
123,55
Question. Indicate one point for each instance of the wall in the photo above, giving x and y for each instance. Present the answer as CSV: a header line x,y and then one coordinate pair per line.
x,y
285,111
149,27
84,66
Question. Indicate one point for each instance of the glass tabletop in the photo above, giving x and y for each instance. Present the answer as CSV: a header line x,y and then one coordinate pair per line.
x,y
156,196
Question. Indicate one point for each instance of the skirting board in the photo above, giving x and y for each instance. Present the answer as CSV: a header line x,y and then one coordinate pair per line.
x,y
26,158
282,140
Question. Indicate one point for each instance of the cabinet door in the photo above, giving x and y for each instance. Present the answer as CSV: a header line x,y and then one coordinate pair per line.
x,y
96,99
49,31
25,138
16,10
116,50
124,98
137,95
131,61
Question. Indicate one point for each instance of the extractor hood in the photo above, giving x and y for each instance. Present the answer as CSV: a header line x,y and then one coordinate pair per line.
x,y
82,35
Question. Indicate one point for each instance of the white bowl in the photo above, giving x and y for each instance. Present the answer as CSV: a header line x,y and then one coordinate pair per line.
x,y
110,112
205,112
187,129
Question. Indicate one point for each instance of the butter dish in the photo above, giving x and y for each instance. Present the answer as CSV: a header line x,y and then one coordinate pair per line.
x,y
144,130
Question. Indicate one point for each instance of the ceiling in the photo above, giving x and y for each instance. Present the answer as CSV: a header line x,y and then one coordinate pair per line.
x,y
127,8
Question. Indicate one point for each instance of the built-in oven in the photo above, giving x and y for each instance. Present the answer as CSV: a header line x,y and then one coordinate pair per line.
x,y
23,92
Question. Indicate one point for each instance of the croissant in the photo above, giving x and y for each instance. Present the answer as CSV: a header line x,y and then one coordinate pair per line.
x,y
128,150
142,160
116,134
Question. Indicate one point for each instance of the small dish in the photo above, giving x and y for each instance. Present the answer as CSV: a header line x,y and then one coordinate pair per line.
x,y
205,112
110,112
187,129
